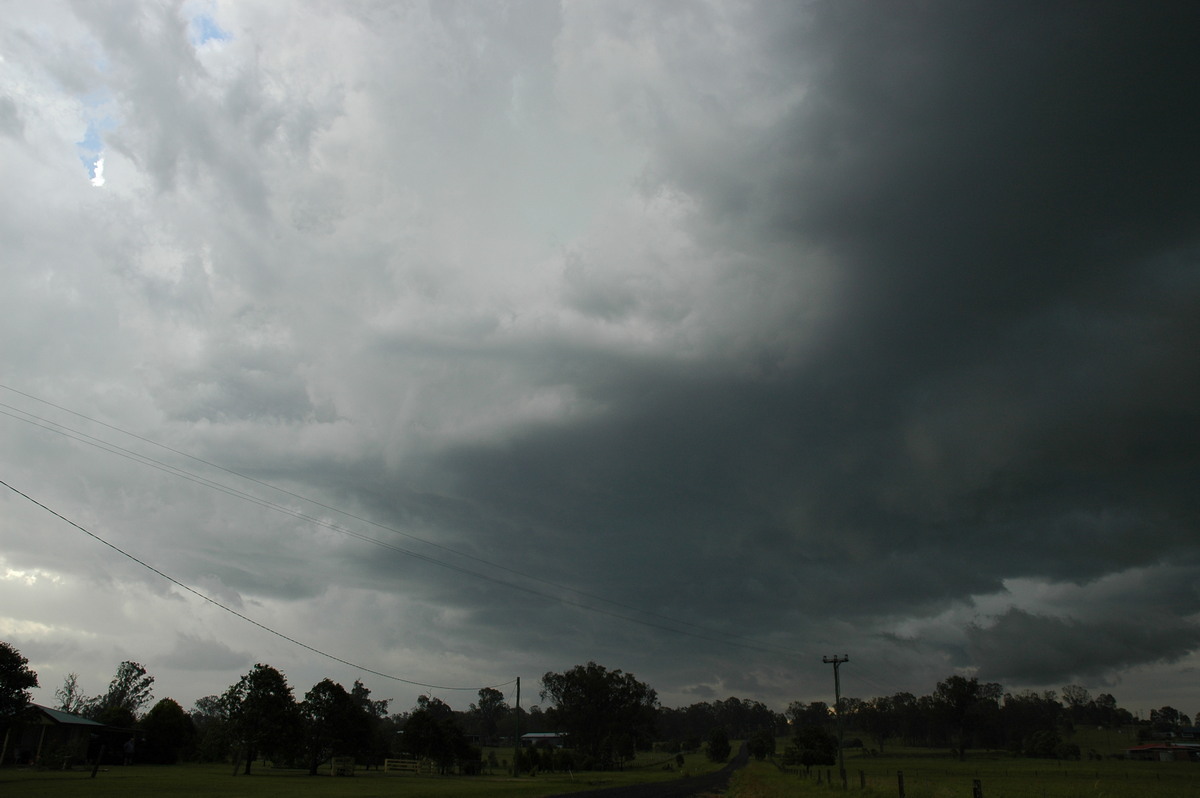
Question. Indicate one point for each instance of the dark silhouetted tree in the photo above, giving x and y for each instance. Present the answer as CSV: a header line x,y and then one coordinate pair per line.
x,y
594,705
210,717
168,733
69,697
432,732
964,704
128,692
376,747
814,714
762,744
261,713
717,748
813,745
16,679
878,718
1168,719
334,724
489,712
1024,714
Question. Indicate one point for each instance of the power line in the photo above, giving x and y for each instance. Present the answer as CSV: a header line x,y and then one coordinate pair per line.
x,y
703,632
229,609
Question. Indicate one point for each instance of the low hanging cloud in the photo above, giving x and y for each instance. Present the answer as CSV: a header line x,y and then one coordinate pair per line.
x,y
1040,649
697,340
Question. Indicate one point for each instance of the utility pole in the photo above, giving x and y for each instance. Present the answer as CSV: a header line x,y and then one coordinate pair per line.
x,y
836,662
517,730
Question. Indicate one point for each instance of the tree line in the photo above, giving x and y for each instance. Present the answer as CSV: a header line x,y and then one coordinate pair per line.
x,y
963,713
607,716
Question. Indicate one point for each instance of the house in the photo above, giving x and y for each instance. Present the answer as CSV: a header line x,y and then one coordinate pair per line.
x,y
51,732
1165,752
543,740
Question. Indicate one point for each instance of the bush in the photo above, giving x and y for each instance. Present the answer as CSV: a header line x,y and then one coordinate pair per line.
x,y
564,760
1043,744
1067,751
815,746
717,748
762,744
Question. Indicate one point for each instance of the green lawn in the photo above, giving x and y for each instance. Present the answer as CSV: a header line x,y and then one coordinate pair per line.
x,y
216,780
999,776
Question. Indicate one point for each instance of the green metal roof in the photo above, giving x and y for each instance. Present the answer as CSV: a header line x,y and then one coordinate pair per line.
x,y
66,718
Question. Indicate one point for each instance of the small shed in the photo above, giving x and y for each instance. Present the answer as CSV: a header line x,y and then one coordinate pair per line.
x,y
1165,752
52,731
544,739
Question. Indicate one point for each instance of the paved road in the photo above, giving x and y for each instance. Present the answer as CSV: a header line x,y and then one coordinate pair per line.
x,y
681,788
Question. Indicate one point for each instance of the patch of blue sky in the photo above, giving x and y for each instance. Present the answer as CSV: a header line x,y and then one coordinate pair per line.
x,y
91,147
95,99
202,29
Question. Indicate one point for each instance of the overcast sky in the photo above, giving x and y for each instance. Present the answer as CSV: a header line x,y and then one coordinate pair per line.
x,y
698,339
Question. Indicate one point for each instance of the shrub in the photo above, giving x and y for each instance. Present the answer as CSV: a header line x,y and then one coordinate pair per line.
x,y
717,748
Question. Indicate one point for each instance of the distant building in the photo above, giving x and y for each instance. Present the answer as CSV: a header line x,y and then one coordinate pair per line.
x,y
1165,752
543,739
56,733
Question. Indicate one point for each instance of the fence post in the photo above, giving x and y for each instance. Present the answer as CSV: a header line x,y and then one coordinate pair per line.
x,y
900,781
862,780
977,789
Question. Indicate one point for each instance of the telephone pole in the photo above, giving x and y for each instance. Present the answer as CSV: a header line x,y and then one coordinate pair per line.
x,y
836,662
517,731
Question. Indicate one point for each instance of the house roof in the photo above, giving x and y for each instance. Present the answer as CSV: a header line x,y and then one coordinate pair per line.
x,y
66,718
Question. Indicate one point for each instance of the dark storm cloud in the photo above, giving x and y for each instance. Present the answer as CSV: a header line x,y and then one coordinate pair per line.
x,y
1010,194
835,326
196,654
1037,649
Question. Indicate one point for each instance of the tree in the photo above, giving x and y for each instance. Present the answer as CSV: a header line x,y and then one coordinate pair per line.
x,y
717,748
1027,713
1168,719
15,681
127,693
362,697
817,713
169,731
878,717
432,732
813,745
962,703
334,724
210,717
594,705
262,712
1076,696
491,709
1043,744
762,744
376,747
69,697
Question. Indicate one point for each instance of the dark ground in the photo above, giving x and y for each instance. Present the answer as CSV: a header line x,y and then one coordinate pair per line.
x,y
683,788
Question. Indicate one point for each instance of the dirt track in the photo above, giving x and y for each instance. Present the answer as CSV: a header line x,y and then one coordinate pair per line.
x,y
683,788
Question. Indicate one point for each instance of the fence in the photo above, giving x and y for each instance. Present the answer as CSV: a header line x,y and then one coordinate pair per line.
x,y
994,780
407,766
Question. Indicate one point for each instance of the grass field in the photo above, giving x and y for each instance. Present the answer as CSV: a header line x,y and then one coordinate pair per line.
x,y
216,781
999,777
